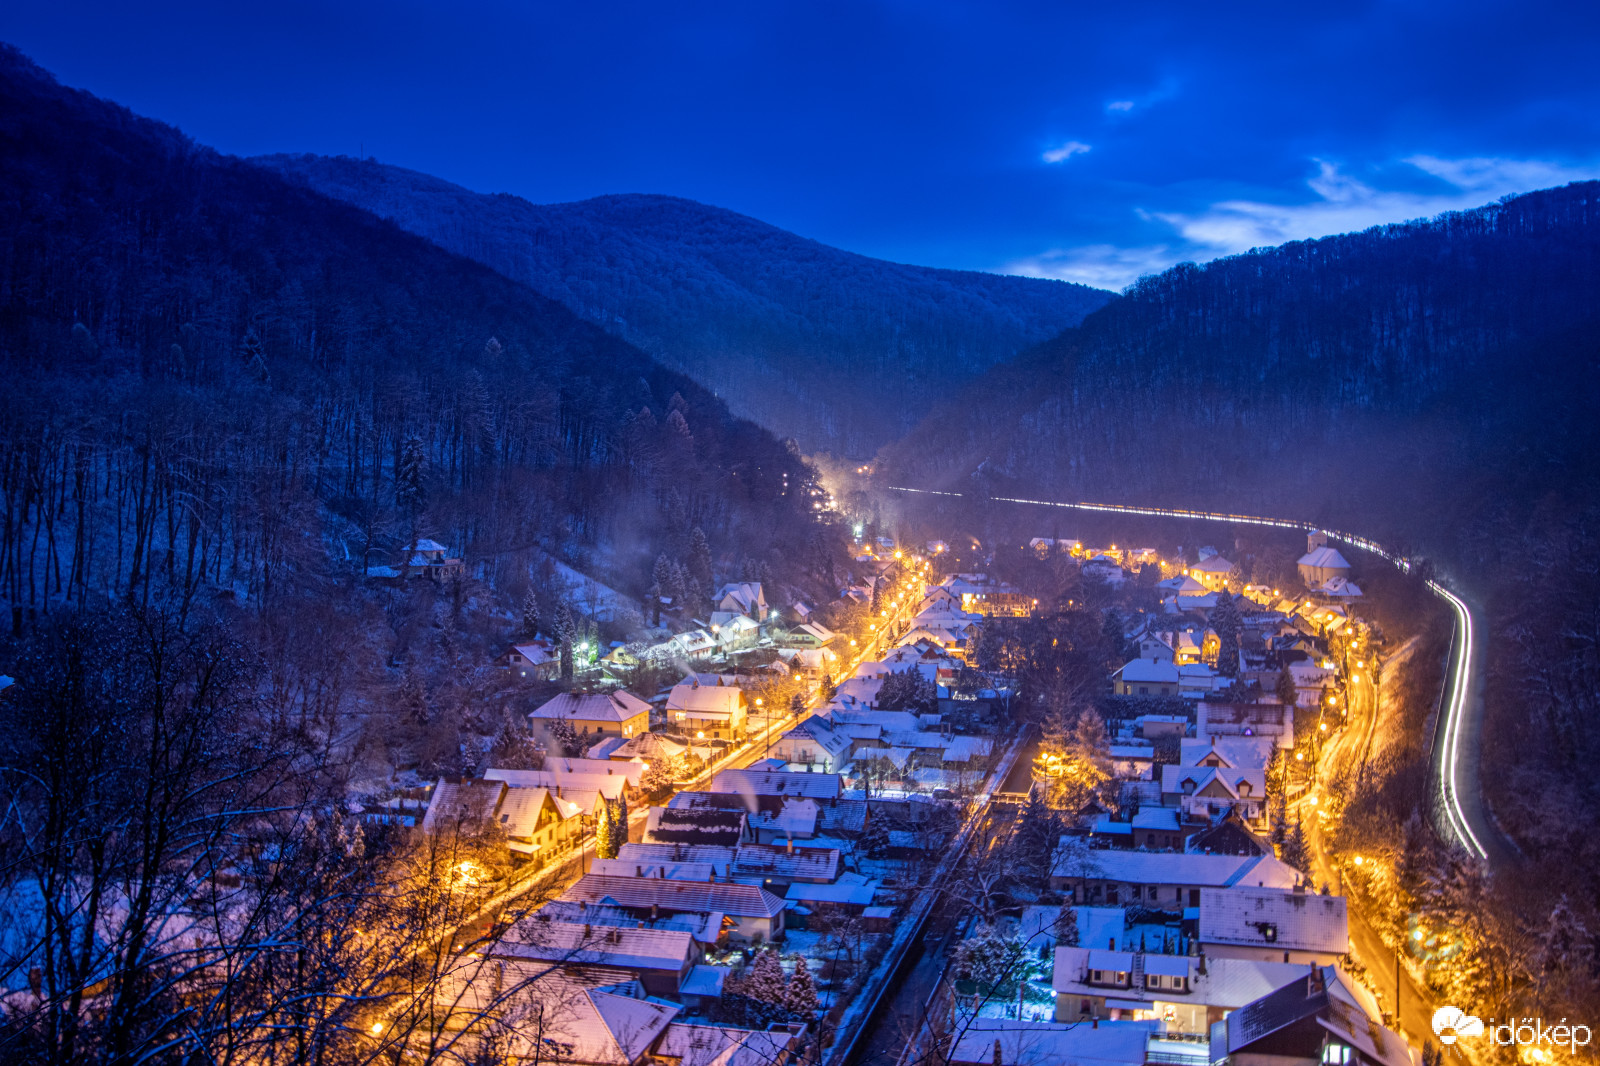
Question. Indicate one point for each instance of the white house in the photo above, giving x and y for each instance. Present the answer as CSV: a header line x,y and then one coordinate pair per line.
x,y
1321,563
1146,677
1272,925
707,711
743,597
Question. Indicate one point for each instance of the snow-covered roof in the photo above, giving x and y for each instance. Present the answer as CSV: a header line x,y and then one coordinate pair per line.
x,y
426,545
776,783
467,799
1214,565
776,860
859,895
1324,558
705,699
615,706
700,897
1227,983
534,937
1161,868
1149,671
1049,1043
718,1045
1234,780
1274,918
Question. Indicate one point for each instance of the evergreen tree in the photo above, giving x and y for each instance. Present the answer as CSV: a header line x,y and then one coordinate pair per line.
x,y
1067,927
565,739
619,826
605,836
700,560
655,603
797,704
1111,630
800,995
565,632
1285,688
877,600
1296,852
662,576
764,980
411,468
530,614
1225,620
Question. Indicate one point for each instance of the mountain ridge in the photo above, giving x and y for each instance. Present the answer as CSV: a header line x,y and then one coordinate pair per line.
x,y
840,350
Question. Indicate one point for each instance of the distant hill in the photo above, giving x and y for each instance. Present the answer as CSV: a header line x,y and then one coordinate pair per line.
x,y
840,351
1433,384
248,359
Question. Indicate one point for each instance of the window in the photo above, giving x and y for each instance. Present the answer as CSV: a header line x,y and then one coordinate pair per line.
x,y
1138,893
1336,1055
1144,690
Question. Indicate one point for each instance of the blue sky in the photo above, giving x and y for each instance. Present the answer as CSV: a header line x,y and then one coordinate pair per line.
x,y
1093,143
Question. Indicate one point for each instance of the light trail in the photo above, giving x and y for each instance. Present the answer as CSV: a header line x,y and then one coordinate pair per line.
x,y
1449,767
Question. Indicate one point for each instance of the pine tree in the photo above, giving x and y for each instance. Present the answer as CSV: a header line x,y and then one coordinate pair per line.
x,y
619,826
800,996
565,631
700,559
410,494
530,614
662,575
605,837
1225,620
1296,852
877,600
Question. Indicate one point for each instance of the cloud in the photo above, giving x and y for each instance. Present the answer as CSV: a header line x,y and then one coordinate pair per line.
x,y
1120,105
1065,152
1105,266
1345,204
1339,203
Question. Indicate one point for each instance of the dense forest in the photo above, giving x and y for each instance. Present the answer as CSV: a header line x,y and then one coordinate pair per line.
x,y
1430,384
213,373
842,352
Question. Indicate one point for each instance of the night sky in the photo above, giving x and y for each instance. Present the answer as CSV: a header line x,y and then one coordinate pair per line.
x,y
1093,143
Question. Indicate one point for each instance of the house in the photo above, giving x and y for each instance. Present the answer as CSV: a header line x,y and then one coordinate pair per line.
x,y
753,782
1161,881
813,743
851,894
1269,923
808,635
1101,567
1234,752
771,864
734,632
743,597
696,826
1188,993
1316,1020
1146,677
707,711
596,714
595,1015
1321,563
1008,1042
537,822
1229,835
1215,718
1214,573
1207,792
430,559
1135,761
457,802
660,958
659,856
653,749
536,660
686,1044
695,644
750,914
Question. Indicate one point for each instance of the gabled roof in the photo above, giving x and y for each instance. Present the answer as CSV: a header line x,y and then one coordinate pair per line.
x,y
1227,983
721,859
701,897
705,699
1051,1043
1216,564
776,783
1200,871
773,860
472,801
1229,778
1151,671
539,937
616,706
719,1045
811,727
537,652
1274,918
1324,558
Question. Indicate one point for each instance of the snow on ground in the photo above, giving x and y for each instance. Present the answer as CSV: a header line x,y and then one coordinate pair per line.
x,y
599,601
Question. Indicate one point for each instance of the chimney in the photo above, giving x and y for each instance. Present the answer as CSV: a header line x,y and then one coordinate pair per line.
x,y
1094,1023
1201,968
1111,943
638,871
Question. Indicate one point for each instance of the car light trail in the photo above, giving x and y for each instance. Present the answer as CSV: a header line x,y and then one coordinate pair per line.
x,y
1450,764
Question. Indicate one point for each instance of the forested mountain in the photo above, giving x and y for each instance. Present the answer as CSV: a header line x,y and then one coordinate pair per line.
x,y
212,374
842,352
1431,384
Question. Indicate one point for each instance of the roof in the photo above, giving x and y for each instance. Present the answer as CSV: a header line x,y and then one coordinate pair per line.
x,y
1251,753
616,706
1226,983
538,937
519,811
1322,994
714,699
426,545
857,894
1214,565
1324,558
694,826
1234,781
1162,868
1286,920
719,857
776,783
717,1045
465,798
704,980
772,860
1148,670
1052,1043
817,729
673,870
538,653
649,746
566,784
701,897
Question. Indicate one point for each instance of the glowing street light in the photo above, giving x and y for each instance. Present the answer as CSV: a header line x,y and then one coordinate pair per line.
x,y
377,1029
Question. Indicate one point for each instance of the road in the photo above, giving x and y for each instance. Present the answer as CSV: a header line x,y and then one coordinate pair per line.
x,y
1456,764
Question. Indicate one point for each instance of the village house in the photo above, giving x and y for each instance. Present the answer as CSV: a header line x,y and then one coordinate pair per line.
x,y
743,597
1271,924
1214,573
703,711
1188,993
1206,792
534,660
535,821
1317,1020
750,914
1159,880
660,958
1321,563
814,744
1146,677
596,714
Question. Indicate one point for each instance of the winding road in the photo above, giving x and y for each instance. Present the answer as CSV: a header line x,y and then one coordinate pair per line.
x,y
1461,813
